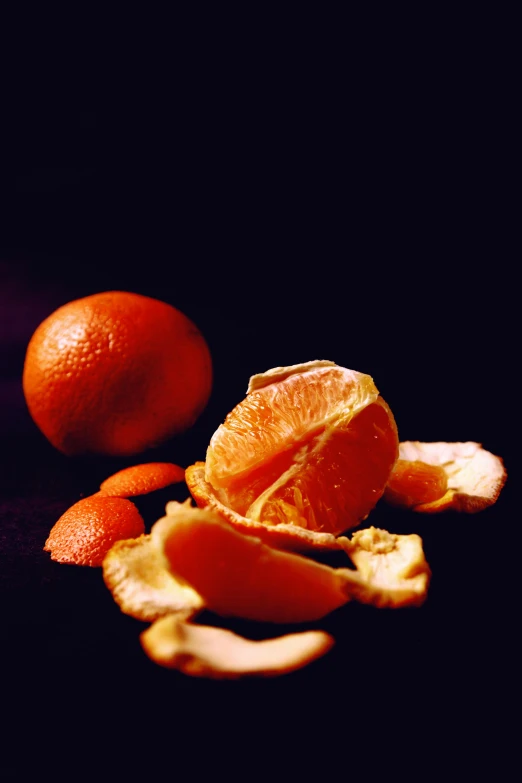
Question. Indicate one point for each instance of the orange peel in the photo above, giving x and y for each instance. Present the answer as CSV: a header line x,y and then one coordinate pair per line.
x,y
239,575
217,653
141,479
392,571
88,529
475,477
174,570
135,573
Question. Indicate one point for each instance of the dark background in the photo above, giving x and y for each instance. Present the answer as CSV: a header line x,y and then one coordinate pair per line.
x,y
362,221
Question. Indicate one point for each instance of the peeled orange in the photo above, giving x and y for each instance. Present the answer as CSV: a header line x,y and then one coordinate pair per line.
x,y
307,454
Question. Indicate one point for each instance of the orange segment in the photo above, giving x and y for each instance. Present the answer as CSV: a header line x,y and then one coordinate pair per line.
x,y
414,482
141,479
283,408
216,653
85,532
311,445
337,478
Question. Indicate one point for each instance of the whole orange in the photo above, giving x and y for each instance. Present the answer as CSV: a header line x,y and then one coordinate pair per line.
x,y
116,373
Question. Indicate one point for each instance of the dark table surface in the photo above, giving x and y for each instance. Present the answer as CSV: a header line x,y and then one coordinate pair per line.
x,y
388,284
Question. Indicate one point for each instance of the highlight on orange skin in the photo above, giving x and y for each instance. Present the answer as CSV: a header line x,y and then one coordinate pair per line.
x,y
87,530
141,479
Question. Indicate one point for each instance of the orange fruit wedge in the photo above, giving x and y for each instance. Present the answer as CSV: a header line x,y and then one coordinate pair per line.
x,y
216,653
413,483
434,477
307,453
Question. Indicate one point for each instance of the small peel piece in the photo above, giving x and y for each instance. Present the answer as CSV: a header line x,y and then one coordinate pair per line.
x,y
88,529
282,536
392,571
141,479
134,572
217,653
475,476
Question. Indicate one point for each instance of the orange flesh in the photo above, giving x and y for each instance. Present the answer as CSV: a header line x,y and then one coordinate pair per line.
x,y
414,482
280,417
335,475
238,575
341,478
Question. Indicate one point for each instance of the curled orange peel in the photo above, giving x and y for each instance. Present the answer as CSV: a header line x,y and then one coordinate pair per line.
x,y
217,653
134,572
239,575
475,477
391,571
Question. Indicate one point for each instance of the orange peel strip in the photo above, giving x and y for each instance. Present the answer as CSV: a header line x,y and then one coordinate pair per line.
x,y
134,572
216,653
475,476
283,536
141,479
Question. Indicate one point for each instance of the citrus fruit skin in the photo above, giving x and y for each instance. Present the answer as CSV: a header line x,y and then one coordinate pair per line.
x,y
141,479
116,373
87,530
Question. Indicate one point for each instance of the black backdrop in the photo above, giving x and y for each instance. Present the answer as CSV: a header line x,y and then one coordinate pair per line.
x,y
289,227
